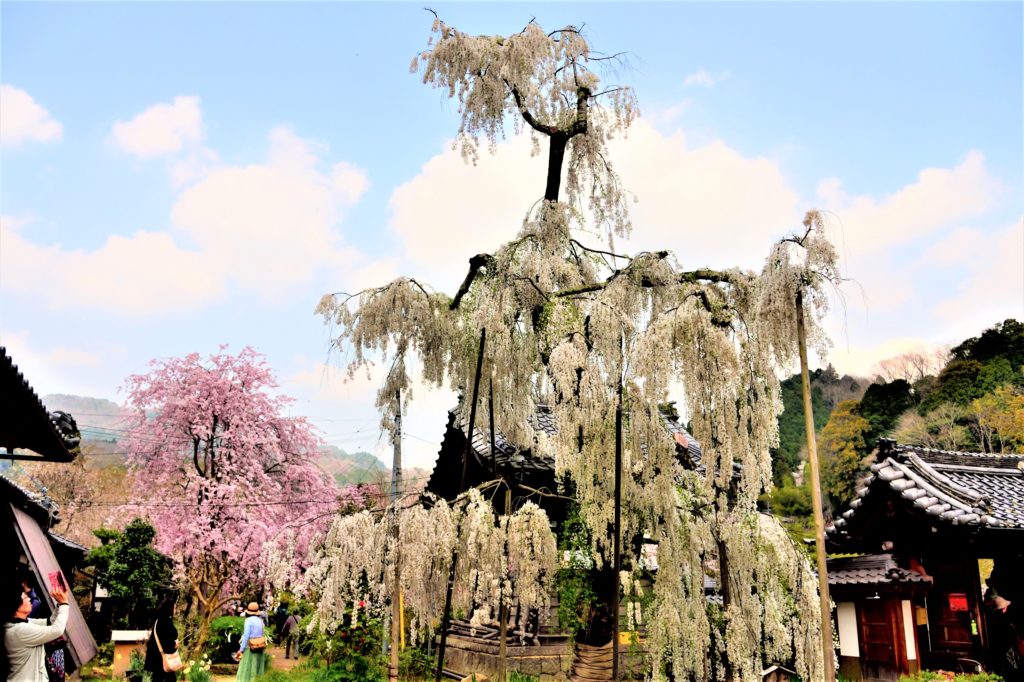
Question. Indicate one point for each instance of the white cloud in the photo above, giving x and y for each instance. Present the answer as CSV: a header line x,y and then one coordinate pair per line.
x,y
452,210
669,114
53,369
144,274
23,119
992,288
162,129
704,78
264,228
880,239
940,198
270,227
710,205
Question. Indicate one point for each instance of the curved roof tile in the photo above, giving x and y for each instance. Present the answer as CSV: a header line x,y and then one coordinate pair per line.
x,y
959,488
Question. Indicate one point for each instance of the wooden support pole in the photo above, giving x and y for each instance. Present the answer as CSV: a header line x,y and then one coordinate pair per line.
x,y
490,414
618,533
396,591
819,518
472,410
503,609
447,616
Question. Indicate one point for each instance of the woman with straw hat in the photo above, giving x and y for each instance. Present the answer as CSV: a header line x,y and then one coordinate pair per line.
x,y
252,650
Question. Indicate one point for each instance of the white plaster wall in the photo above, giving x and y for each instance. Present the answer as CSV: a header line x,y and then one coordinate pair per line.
x,y
908,630
846,617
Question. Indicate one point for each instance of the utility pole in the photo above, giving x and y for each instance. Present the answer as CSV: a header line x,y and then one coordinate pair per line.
x,y
396,592
819,518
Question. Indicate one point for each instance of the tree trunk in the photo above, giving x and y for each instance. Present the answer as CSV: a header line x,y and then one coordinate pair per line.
x,y
556,156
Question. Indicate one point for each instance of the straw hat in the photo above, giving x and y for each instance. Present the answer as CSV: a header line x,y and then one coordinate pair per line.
x,y
253,609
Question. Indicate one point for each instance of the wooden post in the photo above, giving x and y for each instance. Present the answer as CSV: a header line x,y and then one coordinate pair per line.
x,y
447,616
396,592
472,410
490,412
503,609
618,533
819,518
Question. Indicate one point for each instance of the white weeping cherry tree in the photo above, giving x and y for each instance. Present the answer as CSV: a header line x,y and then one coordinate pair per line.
x,y
354,570
596,335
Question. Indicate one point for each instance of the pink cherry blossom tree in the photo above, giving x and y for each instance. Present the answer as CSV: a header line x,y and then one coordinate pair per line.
x,y
223,474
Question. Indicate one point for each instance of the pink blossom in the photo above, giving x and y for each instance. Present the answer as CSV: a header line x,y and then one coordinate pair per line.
x,y
220,471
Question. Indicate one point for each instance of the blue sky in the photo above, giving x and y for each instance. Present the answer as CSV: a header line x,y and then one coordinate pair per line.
x,y
180,175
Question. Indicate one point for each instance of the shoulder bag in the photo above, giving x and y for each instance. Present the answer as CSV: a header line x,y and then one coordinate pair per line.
x,y
172,661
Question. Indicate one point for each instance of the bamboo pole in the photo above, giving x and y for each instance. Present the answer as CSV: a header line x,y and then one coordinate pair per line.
x,y
819,518
396,592
447,616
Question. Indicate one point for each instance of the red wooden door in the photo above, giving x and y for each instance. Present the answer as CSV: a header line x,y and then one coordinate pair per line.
x,y
883,655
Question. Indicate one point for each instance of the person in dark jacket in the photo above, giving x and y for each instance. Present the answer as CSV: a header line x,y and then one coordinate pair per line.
x,y
163,628
290,631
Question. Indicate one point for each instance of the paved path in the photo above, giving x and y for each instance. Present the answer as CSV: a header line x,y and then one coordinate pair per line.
x,y
279,663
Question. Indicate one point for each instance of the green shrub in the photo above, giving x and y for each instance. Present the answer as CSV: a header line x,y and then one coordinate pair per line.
x,y
351,653
105,653
415,662
574,582
225,633
791,501
355,668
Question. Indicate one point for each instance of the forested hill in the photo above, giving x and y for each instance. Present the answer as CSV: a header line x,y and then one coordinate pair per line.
x,y
350,468
828,389
970,397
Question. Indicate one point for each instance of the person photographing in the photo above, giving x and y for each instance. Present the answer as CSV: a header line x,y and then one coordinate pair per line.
x,y
25,638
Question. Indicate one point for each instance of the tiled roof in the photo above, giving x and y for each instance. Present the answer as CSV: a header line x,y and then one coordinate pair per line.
x,y
872,570
508,455
25,422
43,510
70,544
958,488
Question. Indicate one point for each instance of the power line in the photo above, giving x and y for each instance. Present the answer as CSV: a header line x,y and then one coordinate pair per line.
x,y
271,503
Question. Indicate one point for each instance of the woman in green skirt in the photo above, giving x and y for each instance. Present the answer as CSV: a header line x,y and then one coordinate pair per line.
x,y
252,651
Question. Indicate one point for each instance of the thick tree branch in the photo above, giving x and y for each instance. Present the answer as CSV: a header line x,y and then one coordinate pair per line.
x,y
706,275
481,260
527,116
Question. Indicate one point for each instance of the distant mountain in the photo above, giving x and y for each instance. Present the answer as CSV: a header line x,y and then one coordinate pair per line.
x,y
98,419
351,468
100,422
